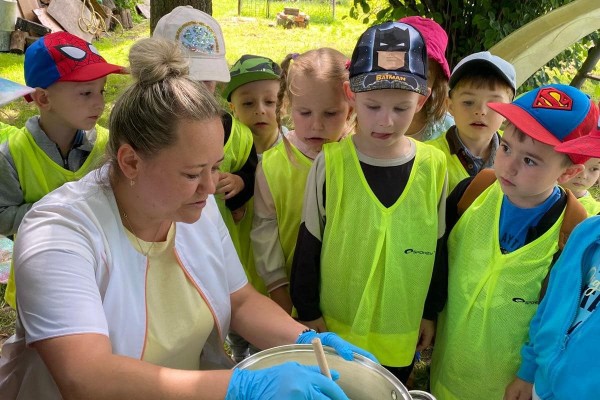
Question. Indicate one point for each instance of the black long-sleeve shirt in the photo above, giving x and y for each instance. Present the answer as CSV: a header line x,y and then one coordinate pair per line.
x,y
247,171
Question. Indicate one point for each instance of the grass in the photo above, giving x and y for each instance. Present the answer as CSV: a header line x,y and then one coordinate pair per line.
x,y
256,35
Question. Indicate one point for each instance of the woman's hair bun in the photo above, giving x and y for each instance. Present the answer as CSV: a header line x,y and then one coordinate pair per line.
x,y
153,60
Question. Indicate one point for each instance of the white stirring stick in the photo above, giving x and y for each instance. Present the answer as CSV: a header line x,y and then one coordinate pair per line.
x,y
321,360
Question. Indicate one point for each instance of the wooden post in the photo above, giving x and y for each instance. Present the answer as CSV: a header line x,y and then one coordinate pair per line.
x,y
126,19
119,21
109,13
17,42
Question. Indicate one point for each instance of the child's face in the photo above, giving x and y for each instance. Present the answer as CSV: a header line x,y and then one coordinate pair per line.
x,y
319,110
586,179
382,118
75,105
528,170
473,118
254,105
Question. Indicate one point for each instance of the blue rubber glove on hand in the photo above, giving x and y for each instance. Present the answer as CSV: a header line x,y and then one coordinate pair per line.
x,y
286,381
343,348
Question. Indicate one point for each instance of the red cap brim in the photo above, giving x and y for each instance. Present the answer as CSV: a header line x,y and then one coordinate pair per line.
x,y
525,122
586,146
92,72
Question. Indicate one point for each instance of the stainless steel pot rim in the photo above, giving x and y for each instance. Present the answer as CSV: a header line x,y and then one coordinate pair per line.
x,y
295,349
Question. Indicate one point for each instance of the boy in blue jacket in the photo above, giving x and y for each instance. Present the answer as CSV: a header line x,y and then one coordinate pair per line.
x,y
561,360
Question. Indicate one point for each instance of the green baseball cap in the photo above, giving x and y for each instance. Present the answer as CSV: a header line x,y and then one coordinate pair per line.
x,y
250,68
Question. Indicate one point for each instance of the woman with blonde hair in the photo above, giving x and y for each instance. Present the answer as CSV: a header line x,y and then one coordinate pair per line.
x,y
128,279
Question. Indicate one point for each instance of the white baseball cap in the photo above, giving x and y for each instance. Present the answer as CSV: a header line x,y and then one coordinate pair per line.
x,y
201,37
476,61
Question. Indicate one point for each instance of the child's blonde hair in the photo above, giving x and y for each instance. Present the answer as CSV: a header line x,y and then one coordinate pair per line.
x,y
325,64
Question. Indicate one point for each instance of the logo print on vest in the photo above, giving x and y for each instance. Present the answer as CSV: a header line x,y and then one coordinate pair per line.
x,y
553,99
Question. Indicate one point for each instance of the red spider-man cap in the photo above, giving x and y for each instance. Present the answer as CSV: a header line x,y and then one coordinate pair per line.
x,y
62,56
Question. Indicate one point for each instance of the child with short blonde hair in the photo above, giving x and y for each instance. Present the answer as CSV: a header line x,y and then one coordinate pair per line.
x,y
312,89
252,96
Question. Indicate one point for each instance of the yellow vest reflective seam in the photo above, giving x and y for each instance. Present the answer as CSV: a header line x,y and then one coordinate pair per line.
x,y
456,171
377,261
287,181
490,303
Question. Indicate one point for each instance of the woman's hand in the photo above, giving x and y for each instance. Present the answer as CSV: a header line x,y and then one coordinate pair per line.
x,y
286,381
341,346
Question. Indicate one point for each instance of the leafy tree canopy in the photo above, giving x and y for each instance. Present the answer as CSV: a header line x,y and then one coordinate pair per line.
x,y
476,25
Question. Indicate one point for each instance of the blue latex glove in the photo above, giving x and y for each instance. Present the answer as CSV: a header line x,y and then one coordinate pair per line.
x,y
343,348
286,381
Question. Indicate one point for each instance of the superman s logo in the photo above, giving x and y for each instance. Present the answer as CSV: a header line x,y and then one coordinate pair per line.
x,y
553,99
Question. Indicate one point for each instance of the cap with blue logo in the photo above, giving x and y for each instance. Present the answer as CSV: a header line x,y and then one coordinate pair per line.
x,y
551,114
391,55
201,38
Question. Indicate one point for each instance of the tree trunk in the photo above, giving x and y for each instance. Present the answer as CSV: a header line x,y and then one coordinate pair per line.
x,y
588,65
158,8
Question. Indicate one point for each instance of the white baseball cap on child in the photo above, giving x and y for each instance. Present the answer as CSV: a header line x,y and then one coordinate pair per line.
x,y
484,59
201,37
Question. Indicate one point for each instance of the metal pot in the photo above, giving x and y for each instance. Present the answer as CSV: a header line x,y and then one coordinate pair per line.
x,y
361,379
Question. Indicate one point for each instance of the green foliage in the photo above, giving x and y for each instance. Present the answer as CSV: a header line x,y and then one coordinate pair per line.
x,y
478,25
126,4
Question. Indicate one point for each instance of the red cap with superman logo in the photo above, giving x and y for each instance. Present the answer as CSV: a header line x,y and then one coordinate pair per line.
x,y
551,114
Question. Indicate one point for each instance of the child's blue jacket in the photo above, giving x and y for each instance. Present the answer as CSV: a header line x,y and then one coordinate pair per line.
x,y
566,366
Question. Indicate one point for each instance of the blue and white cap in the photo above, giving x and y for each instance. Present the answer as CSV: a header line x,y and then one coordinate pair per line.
x,y
201,37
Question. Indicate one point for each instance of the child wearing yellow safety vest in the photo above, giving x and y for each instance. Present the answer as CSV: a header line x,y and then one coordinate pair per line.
x,y
580,184
62,143
374,210
560,359
470,145
502,246
252,96
312,88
